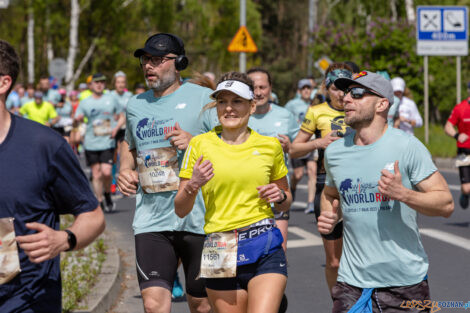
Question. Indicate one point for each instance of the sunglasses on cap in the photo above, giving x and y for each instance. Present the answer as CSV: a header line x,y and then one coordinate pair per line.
x,y
359,92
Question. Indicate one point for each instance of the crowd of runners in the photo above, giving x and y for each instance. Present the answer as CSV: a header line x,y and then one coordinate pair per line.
x,y
214,164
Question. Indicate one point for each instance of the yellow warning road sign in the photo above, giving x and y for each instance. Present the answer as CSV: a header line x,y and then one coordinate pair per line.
x,y
242,42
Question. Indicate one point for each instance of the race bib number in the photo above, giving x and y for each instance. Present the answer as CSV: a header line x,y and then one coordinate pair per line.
x,y
9,260
102,127
219,256
158,170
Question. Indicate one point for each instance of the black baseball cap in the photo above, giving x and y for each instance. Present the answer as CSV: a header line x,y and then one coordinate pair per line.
x,y
98,77
161,44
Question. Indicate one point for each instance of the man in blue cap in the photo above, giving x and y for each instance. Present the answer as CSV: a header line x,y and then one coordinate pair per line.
x,y
160,124
378,179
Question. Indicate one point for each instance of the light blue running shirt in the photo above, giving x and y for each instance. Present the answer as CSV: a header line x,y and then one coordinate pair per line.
x,y
298,108
393,111
381,242
122,99
148,120
101,120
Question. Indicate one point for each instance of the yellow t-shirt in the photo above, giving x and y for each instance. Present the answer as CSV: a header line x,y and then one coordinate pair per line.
x,y
231,197
39,113
320,120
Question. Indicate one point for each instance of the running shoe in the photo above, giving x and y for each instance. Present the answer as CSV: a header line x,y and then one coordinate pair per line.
x,y
104,207
110,205
177,291
310,208
463,201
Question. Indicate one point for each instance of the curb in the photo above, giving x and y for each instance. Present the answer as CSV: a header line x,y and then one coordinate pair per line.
x,y
106,290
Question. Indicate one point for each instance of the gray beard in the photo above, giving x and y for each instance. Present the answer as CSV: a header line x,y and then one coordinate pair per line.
x,y
161,84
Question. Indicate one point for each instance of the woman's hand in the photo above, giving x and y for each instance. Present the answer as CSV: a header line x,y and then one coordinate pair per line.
x,y
202,173
270,193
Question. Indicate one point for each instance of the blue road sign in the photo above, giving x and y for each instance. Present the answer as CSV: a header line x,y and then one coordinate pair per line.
x,y
442,30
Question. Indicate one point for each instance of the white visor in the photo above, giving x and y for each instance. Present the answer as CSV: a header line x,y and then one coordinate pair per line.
x,y
235,86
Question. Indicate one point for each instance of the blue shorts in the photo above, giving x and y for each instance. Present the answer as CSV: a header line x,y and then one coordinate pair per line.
x,y
274,262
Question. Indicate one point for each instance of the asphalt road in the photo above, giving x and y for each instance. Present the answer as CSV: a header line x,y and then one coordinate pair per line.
x,y
447,242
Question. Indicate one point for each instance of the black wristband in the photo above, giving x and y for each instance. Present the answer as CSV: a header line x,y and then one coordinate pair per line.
x,y
284,197
456,136
72,240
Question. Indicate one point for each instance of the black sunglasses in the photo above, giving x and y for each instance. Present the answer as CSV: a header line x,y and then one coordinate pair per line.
x,y
359,92
154,60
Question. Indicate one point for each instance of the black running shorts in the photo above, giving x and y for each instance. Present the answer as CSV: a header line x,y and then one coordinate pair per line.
x,y
157,257
100,156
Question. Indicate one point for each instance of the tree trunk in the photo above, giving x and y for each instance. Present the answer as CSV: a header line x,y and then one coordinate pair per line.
x,y
31,44
73,43
80,67
410,12
393,8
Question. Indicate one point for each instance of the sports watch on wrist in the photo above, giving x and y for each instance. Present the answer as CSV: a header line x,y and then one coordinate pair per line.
x,y
72,240
284,197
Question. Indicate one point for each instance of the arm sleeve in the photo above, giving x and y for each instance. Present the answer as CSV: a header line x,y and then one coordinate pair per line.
x,y
190,157
70,188
52,112
80,110
293,127
208,119
308,125
453,118
419,164
329,179
417,116
279,169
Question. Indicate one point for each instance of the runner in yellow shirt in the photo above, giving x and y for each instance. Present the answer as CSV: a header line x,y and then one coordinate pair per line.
x,y
240,173
40,111
326,121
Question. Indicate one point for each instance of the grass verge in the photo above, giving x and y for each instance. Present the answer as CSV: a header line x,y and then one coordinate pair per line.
x,y
79,270
440,145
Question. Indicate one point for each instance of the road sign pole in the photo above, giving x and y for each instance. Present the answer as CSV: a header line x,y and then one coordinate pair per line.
x,y
459,79
242,23
426,101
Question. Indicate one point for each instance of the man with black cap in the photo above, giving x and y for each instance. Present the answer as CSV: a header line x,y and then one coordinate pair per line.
x,y
160,123
105,118
378,179
460,118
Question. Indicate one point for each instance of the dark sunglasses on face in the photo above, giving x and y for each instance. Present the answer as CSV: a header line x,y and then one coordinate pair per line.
x,y
154,60
359,92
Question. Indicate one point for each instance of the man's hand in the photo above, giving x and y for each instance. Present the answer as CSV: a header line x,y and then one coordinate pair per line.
x,y
270,193
390,185
328,219
44,245
202,173
128,181
462,137
285,142
325,141
179,138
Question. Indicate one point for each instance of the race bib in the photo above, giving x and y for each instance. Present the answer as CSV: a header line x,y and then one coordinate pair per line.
x,y
219,256
158,170
101,127
9,260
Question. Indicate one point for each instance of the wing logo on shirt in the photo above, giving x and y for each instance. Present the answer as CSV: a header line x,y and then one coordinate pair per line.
x,y
359,192
147,128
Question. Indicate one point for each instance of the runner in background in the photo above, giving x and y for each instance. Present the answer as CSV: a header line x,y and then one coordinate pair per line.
x,y
40,110
409,117
139,88
122,96
50,95
64,110
29,94
298,107
460,119
105,118
85,90
250,274
393,114
13,102
326,120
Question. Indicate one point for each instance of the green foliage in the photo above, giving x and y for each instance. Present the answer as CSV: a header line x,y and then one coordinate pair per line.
x,y
440,145
79,269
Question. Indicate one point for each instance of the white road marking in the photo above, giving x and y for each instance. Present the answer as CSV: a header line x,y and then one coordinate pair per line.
x,y
308,239
299,204
454,187
446,237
